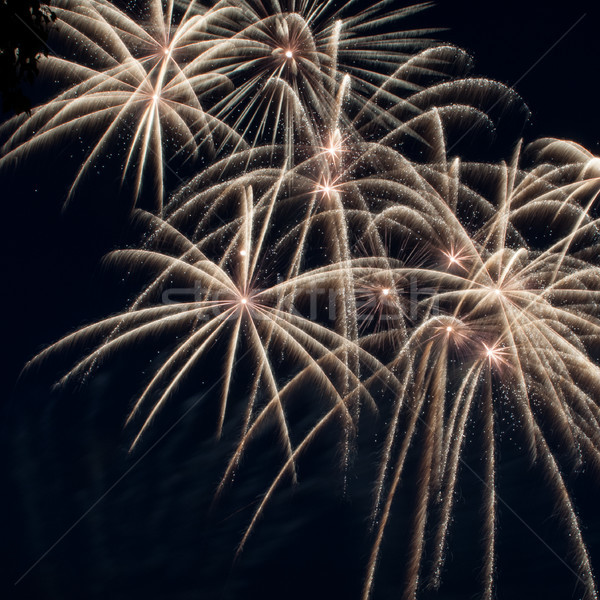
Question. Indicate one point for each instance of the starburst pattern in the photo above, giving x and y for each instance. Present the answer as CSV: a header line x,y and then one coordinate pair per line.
x,y
504,321
161,86
128,87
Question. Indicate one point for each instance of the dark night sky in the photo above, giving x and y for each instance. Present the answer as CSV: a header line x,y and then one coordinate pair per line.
x,y
548,49
52,284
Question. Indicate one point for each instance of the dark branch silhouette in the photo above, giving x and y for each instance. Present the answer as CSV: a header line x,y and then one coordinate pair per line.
x,y
24,28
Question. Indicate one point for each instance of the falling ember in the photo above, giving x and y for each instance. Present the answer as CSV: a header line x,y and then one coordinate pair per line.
x,y
243,253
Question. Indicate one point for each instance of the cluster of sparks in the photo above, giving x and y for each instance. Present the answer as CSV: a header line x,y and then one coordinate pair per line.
x,y
337,245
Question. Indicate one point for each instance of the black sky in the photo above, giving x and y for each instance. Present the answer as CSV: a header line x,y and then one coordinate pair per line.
x,y
51,282
550,50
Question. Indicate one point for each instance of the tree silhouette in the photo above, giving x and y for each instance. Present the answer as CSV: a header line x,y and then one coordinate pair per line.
x,y
24,28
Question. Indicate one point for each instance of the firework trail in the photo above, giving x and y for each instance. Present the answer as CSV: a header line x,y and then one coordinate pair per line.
x,y
239,311
155,88
508,322
126,87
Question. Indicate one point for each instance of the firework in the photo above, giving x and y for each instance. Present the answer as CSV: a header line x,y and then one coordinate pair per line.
x,y
236,308
153,89
127,89
331,245
510,318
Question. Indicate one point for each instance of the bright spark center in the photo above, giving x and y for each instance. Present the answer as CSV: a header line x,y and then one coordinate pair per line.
x,y
289,54
385,291
155,97
244,300
449,329
243,253
492,353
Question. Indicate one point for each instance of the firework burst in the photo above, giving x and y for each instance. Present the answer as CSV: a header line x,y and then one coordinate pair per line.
x,y
504,321
154,88
128,89
331,246
236,308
